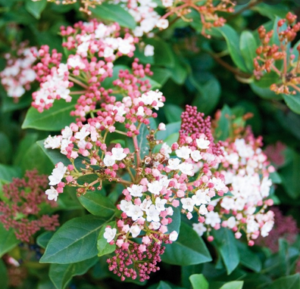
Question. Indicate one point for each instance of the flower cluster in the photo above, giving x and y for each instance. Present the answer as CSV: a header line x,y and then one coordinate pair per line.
x,y
284,227
85,4
208,12
94,47
20,208
269,55
18,73
246,171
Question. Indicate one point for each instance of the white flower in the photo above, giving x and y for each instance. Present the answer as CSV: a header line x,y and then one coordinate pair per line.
x,y
202,143
183,152
199,228
146,204
126,206
118,154
231,222
167,3
162,23
252,226
174,164
203,210
161,126
187,204
57,174
152,96
165,150
149,50
196,156
218,184
82,134
265,187
155,187
135,190
187,169
108,52
52,194
155,225
135,212
173,236
152,214
135,230
52,142
67,132
227,203
201,197
266,228
212,218
109,160
109,234
160,204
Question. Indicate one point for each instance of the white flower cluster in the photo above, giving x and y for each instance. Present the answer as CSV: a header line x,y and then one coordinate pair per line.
x,y
145,15
18,73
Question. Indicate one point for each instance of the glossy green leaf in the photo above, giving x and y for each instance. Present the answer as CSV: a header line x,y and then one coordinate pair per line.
x,y
290,177
114,13
172,112
293,102
163,285
198,281
225,243
264,92
75,241
288,282
233,285
61,274
3,275
248,47
6,148
35,8
97,204
189,249
43,239
103,247
53,119
7,173
8,240
271,11
232,40
222,131
170,129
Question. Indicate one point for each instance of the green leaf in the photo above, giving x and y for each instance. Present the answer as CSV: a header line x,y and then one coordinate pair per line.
x,y
225,243
43,239
8,240
53,119
160,75
264,92
248,47
54,155
222,131
232,40
189,249
4,276
178,72
35,8
163,285
143,143
6,149
170,129
61,274
267,79
208,95
198,281
176,221
293,102
290,177
75,241
114,13
97,204
275,177
271,11
172,112
233,285
24,146
7,173
288,282
163,54
103,247
248,258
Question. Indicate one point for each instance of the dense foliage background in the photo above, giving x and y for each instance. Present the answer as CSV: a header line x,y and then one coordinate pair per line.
x,y
213,73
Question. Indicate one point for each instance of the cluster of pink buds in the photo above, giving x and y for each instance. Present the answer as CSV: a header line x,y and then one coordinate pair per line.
x,y
270,55
18,73
94,47
207,10
246,171
20,208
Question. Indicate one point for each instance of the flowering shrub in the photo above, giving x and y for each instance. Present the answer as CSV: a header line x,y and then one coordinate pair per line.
x,y
114,173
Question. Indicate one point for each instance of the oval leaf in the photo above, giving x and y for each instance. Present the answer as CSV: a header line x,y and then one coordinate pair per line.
x,y
75,241
189,249
103,247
